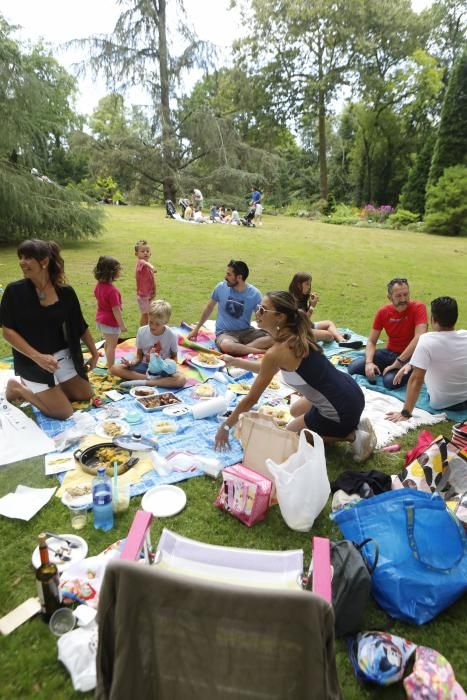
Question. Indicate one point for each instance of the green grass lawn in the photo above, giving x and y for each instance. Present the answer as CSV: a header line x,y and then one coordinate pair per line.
x,y
350,269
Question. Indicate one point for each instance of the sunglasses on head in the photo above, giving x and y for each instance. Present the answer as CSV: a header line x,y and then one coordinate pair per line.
x,y
261,310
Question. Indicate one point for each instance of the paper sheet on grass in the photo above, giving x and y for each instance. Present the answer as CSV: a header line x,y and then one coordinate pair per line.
x,y
58,462
20,437
247,567
25,502
376,407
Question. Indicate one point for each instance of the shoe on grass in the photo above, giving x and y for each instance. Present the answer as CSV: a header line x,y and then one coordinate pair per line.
x,y
365,441
353,344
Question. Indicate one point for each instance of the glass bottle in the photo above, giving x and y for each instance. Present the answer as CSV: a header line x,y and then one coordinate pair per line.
x,y
47,581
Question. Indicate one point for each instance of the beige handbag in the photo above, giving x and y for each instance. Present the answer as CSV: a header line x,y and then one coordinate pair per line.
x,y
262,439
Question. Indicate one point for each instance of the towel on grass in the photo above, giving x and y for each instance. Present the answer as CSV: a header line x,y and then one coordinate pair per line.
x,y
423,401
376,407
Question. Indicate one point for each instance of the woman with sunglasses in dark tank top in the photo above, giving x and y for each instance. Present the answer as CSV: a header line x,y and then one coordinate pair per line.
x,y
332,402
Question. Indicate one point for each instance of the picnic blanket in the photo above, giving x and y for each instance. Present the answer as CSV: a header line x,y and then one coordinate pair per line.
x,y
127,349
376,407
195,436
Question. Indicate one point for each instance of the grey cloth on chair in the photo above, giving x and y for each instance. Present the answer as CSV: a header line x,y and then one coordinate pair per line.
x,y
172,637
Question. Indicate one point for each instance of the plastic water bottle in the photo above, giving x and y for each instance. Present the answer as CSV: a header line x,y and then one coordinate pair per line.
x,y
102,501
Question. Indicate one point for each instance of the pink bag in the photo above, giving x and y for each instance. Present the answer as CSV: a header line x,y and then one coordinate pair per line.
x,y
244,494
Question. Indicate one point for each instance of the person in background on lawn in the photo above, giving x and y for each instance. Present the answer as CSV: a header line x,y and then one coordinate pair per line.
x,y
439,360
255,196
331,404
157,339
197,199
109,319
41,319
235,219
145,280
237,300
404,322
258,214
300,289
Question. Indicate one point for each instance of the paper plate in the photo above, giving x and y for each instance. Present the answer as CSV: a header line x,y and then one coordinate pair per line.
x,y
101,430
78,501
217,364
164,501
176,411
239,388
139,392
76,553
164,426
203,391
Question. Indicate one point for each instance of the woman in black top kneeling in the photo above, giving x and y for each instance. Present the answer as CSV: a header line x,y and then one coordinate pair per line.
x,y
42,320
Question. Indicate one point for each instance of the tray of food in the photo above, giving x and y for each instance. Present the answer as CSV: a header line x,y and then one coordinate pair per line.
x,y
157,402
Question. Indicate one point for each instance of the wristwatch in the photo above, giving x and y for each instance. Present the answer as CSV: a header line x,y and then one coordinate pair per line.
x,y
225,427
406,413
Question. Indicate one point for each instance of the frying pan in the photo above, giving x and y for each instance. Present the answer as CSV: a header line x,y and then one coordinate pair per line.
x,y
89,458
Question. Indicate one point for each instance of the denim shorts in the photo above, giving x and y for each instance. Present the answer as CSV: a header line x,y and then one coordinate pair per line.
x,y
142,368
109,330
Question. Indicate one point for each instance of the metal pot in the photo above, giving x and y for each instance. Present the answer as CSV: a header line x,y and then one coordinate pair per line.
x,y
91,460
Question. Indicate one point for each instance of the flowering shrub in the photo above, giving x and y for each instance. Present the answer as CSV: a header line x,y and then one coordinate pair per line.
x,y
376,214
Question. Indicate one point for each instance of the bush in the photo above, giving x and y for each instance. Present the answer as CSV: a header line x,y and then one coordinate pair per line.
x,y
446,203
342,214
402,218
299,207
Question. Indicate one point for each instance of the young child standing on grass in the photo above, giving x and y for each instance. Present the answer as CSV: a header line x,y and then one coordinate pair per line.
x,y
109,319
145,280
156,352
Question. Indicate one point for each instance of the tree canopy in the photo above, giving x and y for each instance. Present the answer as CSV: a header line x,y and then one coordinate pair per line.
x,y
35,114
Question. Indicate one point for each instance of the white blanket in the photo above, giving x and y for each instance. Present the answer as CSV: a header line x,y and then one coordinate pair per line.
x,y
376,407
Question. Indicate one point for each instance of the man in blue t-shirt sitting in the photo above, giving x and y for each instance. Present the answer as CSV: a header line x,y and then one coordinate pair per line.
x,y
237,301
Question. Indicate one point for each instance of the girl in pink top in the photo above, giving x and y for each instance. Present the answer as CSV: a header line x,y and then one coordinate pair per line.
x,y
145,280
109,304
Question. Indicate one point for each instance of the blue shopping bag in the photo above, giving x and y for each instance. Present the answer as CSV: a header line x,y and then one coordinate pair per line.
x,y
422,565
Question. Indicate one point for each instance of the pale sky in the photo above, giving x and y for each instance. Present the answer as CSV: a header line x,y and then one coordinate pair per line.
x,y
58,21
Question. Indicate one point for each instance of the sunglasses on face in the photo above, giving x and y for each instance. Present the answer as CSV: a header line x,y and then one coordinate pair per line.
x,y
261,310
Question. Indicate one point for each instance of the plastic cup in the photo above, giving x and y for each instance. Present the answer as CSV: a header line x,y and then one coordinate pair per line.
x,y
120,498
78,516
62,621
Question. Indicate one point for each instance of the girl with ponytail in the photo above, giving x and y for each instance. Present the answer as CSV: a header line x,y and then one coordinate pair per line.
x,y
332,402
300,289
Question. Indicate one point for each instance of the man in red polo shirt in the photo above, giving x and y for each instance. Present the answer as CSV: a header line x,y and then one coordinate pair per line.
x,y
404,321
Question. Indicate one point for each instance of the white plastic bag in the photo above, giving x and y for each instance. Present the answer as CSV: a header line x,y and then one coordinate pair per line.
x,y
302,483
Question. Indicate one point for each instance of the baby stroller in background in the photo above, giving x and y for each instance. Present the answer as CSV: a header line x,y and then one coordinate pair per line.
x,y
170,208
248,219
184,203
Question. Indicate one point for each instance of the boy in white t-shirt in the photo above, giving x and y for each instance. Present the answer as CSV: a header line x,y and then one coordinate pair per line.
x,y
439,360
156,345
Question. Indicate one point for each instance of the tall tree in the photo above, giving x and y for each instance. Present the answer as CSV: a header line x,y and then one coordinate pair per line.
x,y
137,53
35,113
447,23
451,143
303,52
